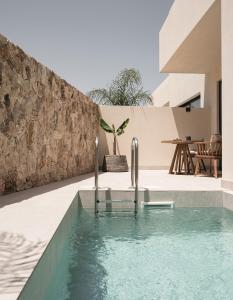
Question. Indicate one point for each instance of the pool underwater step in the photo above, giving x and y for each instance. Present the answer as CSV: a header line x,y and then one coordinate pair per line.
x,y
116,201
116,211
161,204
115,207
120,206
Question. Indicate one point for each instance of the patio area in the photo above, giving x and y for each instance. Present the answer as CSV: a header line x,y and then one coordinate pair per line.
x,y
159,180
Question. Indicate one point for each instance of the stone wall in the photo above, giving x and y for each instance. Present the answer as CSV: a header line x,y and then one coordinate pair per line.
x,y
47,127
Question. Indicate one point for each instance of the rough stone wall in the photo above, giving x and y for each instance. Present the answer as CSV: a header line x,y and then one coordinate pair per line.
x,y
47,127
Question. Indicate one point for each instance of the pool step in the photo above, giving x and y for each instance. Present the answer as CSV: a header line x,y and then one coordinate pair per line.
x,y
116,213
116,206
159,204
116,201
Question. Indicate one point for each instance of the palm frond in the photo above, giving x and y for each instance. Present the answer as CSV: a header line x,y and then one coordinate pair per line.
x,y
125,90
100,96
140,98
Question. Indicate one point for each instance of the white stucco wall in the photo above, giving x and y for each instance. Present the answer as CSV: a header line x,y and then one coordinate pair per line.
x,y
151,125
184,15
179,88
211,97
190,47
227,91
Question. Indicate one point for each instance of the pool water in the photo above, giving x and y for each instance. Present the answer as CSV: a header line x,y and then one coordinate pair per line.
x,y
183,253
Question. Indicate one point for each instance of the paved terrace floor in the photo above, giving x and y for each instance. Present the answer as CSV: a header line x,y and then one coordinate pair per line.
x,y
28,219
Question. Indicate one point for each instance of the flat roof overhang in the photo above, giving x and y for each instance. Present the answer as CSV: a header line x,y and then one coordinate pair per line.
x,y
200,52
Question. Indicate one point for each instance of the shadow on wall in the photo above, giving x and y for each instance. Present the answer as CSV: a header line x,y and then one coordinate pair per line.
x,y
211,97
192,123
104,149
151,125
18,258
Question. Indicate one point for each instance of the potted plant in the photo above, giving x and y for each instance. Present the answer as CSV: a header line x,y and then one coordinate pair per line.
x,y
114,163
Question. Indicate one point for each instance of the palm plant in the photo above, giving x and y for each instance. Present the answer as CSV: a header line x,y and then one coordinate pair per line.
x,y
114,131
125,90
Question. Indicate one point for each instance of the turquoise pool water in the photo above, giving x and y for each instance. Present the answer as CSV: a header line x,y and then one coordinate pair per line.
x,y
162,254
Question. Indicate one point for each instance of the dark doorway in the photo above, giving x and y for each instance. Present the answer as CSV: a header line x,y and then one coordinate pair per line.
x,y
220,106
220,114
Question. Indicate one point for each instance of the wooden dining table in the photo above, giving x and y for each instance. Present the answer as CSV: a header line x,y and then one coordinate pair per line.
x,y
182,162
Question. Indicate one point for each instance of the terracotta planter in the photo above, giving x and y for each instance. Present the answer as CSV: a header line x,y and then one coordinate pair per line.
x,y
115,163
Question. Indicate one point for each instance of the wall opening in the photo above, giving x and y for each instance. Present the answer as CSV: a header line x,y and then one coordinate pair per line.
x,y
192,103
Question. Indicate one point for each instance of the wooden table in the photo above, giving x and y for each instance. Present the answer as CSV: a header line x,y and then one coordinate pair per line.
x,y
182,162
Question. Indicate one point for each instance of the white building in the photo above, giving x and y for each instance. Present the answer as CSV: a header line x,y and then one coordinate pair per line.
x,y
196,46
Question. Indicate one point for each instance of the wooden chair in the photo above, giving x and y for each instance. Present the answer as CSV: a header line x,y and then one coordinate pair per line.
x,y
193,152
201,162
211,151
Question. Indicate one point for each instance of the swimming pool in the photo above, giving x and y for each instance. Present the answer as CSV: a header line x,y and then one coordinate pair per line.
x,y
182,253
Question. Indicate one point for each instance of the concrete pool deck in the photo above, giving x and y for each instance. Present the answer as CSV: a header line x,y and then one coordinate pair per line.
x,y
30,218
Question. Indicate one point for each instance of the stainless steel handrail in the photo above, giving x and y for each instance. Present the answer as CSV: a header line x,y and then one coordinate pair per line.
x,y
96,174
134,170
132,163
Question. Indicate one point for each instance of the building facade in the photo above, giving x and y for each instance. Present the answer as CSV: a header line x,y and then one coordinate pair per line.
x,y
196,46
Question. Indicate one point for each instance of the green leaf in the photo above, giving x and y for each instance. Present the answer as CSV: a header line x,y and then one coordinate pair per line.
x,y
121,128
105,126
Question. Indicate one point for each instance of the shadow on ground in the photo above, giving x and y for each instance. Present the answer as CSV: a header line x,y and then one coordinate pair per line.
x,y
18,258
35,191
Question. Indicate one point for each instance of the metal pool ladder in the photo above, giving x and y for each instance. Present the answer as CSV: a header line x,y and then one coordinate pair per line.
x,y
134,171
134,175
96,174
